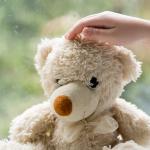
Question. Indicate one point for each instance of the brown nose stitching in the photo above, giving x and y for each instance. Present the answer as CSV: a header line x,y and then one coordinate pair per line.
x,y
63,105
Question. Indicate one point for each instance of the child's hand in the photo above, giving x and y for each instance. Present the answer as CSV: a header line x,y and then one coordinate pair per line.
x,y
110,27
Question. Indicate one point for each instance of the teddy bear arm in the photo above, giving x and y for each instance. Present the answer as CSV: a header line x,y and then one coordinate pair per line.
x,y
134,124
35,124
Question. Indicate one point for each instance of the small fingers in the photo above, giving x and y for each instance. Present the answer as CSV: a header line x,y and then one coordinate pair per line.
x,y
77,28
97,20
99,35
89,21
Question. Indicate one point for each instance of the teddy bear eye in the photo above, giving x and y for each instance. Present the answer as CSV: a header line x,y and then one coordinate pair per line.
x,y
93,82
57,80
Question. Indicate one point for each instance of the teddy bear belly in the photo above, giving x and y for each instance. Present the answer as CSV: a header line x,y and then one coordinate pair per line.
x,y
87,142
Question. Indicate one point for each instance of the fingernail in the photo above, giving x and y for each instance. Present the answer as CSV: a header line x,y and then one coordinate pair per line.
x,y
86,31
66,35
69,37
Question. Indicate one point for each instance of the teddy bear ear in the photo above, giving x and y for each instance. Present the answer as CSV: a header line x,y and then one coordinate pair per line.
x,y
43,50
130,66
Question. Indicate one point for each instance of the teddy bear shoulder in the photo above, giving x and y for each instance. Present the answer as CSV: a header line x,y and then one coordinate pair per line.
x,y
36,123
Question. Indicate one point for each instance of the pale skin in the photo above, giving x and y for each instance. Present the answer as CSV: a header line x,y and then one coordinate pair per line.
x,y
110,27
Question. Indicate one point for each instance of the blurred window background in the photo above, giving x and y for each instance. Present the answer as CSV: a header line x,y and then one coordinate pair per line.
x,y
24,22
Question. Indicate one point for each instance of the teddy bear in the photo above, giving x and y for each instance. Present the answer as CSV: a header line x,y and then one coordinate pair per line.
x,y
83,81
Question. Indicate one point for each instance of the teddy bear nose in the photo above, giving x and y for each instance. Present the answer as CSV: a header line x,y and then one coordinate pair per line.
x,y
63,105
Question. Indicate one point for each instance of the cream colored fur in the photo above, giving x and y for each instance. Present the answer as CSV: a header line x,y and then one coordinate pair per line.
x,y
130,145
113,121
12,145
134,124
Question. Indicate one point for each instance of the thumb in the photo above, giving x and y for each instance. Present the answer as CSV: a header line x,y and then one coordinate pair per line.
x,y
99,35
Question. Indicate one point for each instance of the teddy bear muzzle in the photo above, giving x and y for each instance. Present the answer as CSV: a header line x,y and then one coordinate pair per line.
x,y
63,105
73,101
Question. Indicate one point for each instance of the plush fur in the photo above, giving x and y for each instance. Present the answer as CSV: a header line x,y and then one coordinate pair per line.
x,y
129,145
99,118
12,145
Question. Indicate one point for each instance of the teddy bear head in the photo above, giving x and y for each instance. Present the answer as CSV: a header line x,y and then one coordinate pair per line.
x,y
83,77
